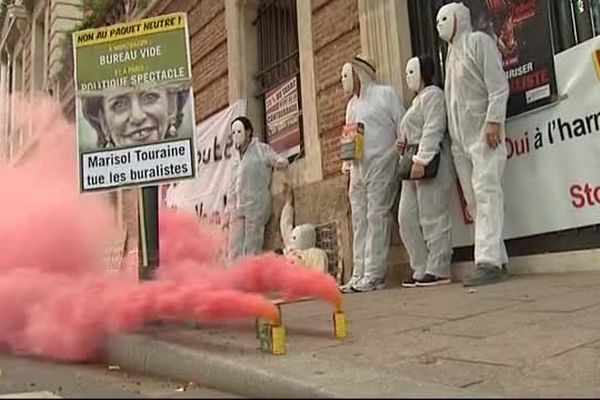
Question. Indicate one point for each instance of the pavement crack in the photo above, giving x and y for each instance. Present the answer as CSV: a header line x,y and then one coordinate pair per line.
x,y
478,362
587,343
467,385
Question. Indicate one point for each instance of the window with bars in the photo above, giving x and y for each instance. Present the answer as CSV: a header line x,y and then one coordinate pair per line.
x,y
279,75
571,22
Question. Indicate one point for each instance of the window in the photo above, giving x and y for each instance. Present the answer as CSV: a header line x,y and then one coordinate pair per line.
x,y
38,52
15,89
279,75
574,22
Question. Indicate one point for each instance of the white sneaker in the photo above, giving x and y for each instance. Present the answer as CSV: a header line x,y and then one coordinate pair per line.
x,y
368,285
349,286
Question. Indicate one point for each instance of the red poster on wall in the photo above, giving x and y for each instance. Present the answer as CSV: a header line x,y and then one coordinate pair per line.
x,y
521,29
283,118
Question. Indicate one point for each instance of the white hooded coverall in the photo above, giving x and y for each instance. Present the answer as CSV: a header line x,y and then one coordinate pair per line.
x,y
251,192
424,212
301,242
477,90
373,179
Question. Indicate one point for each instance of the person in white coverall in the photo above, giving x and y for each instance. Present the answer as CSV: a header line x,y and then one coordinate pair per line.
x,y
250,191
477,91
300,241
424,212
374,178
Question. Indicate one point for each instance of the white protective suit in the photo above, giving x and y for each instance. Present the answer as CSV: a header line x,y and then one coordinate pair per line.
x,y
476,90
424,212
301,242
251,192
374,179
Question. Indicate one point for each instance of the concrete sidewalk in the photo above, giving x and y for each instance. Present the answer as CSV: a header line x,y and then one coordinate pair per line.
x,y
536,335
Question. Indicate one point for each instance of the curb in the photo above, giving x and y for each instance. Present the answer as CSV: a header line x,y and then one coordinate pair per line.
x,y
162,359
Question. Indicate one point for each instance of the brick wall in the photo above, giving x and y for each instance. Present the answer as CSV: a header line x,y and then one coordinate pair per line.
x,y
208,45
336,38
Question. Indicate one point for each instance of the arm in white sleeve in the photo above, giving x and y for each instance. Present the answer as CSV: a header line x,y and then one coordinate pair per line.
x,y
433,107
286,224
398,112
349,119
494,77
271,156
232,189
350,111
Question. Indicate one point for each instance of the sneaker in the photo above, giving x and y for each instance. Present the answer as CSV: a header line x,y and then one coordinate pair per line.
x,y
349,286
409,283
366,285
432,280
485,274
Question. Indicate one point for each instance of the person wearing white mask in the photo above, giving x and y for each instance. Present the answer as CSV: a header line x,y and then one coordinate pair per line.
x,y
300,241
477,91
424,212
374,177
251,189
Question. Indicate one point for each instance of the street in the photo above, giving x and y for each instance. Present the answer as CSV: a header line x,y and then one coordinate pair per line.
x,y
33,378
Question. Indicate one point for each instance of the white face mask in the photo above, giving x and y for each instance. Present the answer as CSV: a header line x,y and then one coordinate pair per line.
x,y
238,133
413,74
303,237
445,22
347,78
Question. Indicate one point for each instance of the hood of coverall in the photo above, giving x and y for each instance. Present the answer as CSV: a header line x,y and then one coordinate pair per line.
x,y
463,18
365,75
303,237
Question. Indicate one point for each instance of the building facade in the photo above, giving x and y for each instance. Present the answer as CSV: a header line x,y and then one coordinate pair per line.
x,y
242,49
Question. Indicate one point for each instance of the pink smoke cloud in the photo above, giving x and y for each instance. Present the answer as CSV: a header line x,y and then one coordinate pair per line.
x,y
57,299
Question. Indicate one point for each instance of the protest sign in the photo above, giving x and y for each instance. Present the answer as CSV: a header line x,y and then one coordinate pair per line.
x,y
135,104
282,109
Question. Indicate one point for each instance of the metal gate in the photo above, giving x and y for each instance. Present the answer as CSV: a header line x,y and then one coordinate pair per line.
x,y
278,55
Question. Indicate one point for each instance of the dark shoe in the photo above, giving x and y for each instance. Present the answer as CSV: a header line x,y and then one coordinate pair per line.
x,y
484,275
409,283
432,280
505,269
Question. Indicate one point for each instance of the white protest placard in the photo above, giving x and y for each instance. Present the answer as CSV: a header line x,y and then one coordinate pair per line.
x,y
134,104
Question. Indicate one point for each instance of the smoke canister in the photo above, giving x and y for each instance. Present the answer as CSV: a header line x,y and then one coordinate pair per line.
x,y
339,325
278,339
264,335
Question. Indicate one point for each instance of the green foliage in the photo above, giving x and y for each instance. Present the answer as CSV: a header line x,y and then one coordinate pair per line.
x,y
95,12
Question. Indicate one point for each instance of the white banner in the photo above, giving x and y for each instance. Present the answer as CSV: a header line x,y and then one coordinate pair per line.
x,y
552,177
206,193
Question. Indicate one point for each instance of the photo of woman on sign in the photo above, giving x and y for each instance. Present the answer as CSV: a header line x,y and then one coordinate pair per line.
x,y
131,117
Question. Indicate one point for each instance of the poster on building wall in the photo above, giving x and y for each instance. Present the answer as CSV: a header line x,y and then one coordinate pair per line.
x,y
208,194
135,103
551,182
283,118
521,29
